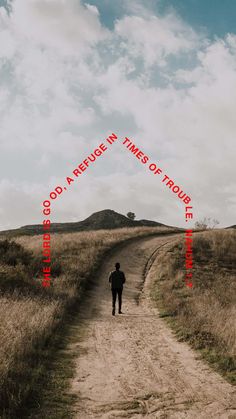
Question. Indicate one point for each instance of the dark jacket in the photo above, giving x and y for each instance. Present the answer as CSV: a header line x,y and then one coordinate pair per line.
x,y
117,279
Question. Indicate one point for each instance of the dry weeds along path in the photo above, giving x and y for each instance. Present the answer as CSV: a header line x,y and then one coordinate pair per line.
x,y
131,365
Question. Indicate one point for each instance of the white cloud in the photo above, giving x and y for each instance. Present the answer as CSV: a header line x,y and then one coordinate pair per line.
x,y
155,38
92,9
64,25
37,100
19,204
66,82
191,127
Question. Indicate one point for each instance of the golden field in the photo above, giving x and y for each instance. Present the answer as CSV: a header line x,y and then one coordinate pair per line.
x,y
29,313
204,315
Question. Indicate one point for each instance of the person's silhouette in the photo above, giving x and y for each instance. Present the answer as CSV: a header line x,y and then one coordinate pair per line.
x,y
117,279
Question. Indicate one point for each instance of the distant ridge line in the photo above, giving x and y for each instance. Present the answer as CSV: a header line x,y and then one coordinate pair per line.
x,y
100,220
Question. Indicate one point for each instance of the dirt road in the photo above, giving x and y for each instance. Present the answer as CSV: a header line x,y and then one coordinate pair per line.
x,y
131,365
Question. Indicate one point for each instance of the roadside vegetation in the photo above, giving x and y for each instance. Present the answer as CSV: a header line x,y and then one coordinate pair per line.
x,y
205,315
31,315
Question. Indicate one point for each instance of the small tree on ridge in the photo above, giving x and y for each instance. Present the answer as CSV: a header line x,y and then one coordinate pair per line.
x,y
131,215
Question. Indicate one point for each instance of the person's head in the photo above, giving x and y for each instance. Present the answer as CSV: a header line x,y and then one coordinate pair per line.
x,y
117,265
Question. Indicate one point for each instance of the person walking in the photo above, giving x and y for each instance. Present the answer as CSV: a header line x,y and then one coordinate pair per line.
x,y
117,279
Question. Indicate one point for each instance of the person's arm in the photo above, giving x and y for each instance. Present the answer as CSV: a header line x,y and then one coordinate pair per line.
x,y
124,279
110,277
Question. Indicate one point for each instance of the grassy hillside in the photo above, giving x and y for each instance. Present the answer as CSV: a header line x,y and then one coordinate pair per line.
x,y
30,314
205,315
101,220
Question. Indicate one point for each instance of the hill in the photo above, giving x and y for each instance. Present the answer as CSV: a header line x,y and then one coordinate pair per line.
x,y
105,219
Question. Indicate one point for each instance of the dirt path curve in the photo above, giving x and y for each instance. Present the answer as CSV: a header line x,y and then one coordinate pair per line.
x,y
130,365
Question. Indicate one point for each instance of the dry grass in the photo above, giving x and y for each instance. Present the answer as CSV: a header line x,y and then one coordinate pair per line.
x,y
25,322
206,314
77,255
29,314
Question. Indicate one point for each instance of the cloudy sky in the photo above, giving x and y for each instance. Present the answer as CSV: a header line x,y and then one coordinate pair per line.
x,y
162,72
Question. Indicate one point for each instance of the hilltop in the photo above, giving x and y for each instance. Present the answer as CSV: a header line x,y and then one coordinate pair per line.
x,y
100,220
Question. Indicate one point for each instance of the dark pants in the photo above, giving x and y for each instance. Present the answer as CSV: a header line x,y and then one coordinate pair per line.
x,y
116,291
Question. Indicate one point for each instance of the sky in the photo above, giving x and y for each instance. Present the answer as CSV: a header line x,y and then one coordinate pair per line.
x,y
160,72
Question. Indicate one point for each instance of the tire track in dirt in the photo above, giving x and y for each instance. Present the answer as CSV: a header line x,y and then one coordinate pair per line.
x,y
131,365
